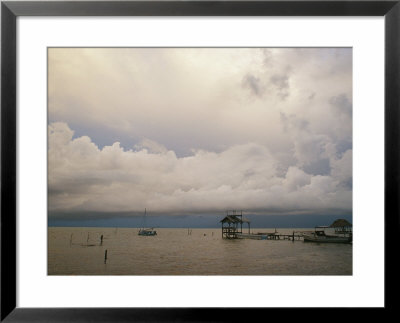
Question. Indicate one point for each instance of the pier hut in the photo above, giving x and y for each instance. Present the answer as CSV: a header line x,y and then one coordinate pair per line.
x,y
232,224
342,226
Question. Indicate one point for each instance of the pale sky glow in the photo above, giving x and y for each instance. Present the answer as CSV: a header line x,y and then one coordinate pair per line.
x,y
197,130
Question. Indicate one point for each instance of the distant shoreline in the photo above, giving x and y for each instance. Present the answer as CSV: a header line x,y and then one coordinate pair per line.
x,y
183,228
191,221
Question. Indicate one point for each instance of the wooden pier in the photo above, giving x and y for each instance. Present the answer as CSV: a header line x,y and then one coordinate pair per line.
x,y
272,236
279,236
232,228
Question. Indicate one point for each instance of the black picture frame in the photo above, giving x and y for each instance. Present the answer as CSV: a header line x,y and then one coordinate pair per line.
x,y
11,10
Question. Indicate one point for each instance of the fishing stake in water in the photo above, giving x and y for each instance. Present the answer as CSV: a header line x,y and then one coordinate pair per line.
x,y
105,257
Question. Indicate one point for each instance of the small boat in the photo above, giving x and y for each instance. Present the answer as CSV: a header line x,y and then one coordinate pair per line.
x,y
147,232
319,235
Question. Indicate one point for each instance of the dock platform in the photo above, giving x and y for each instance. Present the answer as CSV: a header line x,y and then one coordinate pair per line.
x,y
270,236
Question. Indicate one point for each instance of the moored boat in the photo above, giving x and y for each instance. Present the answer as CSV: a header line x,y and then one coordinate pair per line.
x,y
146,232
319,235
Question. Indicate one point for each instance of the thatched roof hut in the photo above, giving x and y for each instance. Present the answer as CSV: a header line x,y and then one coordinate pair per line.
x,y
234,219
342,226
232,224
341,223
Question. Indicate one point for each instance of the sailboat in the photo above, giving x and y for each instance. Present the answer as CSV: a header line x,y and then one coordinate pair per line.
x,y
147,232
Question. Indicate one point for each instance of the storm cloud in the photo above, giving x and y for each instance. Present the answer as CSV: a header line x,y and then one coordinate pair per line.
x,y
202,129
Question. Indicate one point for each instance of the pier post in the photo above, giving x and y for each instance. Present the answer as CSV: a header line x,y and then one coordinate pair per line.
x,y
105,256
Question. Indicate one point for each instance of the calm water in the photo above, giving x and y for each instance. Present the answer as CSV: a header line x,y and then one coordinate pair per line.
x,y
175,252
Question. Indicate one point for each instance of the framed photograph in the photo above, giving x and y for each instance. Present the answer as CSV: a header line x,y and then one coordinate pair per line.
x,y
183,160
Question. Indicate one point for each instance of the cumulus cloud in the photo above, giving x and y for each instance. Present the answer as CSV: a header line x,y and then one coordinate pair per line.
x,y
83,177
191,130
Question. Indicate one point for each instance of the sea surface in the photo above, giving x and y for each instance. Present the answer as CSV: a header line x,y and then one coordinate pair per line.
x,y
78,251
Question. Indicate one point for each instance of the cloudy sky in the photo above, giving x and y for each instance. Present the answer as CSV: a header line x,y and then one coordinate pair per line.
x,y
200,130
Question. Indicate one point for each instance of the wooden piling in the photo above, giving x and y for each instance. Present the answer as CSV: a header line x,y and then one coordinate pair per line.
x,y
105,256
